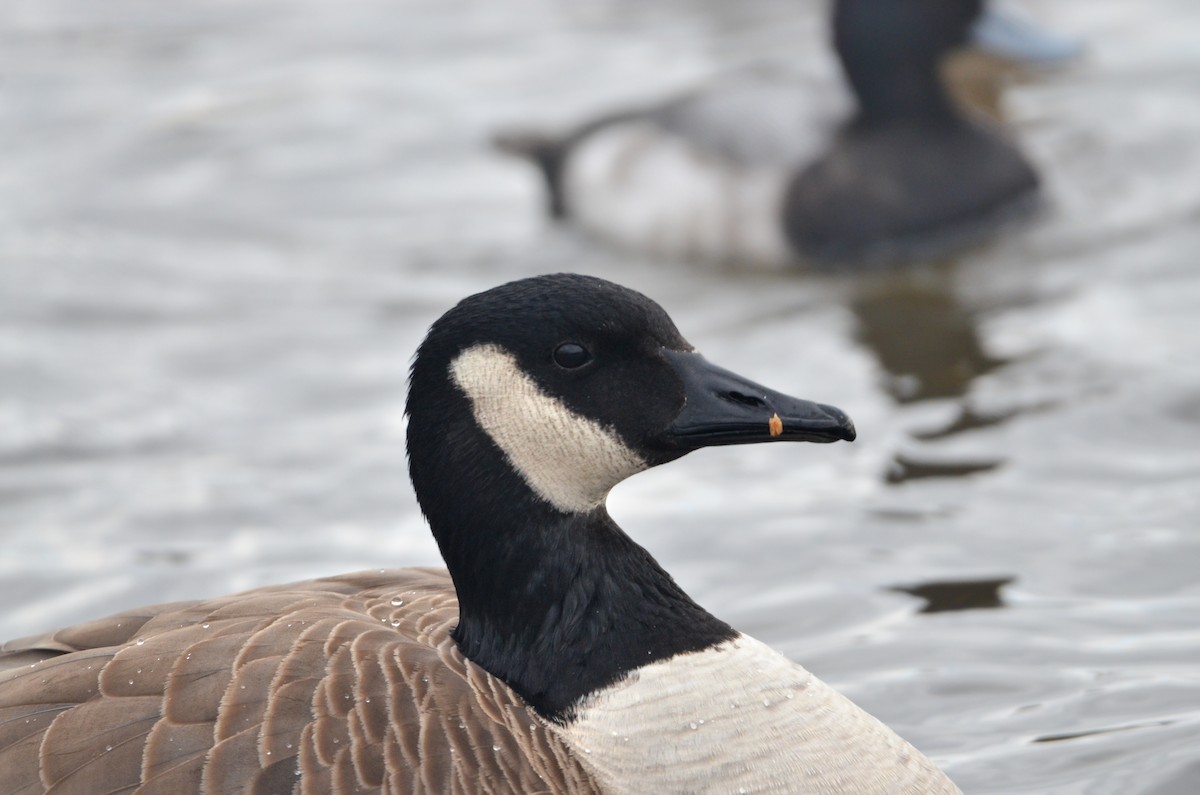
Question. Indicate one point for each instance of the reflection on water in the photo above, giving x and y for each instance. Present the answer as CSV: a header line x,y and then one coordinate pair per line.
x,y
923,338
905,467
926,342
941,597
1058,738
225,226
968,419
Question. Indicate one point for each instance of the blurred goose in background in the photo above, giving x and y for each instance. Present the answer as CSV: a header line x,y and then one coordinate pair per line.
x,y
760,167
554,655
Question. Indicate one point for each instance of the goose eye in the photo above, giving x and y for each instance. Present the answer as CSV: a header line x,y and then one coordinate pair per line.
x,y
571,355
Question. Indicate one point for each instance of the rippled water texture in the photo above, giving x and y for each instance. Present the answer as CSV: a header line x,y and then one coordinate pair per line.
x,y
225,225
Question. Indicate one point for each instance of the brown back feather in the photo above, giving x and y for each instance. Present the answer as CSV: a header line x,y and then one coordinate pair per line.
x,y
347,684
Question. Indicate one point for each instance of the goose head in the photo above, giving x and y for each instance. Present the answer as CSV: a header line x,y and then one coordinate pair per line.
x,y
564,385
527,404
890,51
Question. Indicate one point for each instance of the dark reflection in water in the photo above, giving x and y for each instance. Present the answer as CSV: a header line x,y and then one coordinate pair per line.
x,y
906,467
950,595
1058,738
922,337
968,419
926,341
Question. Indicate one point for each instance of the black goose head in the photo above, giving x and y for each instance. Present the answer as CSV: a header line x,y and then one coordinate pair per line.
x,y
527,403
576,383
890,50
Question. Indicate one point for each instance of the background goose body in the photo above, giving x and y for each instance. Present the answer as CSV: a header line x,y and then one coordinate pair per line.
x,y
558,656
765,115
761,166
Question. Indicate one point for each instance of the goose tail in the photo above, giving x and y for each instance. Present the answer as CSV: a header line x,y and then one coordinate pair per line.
x,y
546,152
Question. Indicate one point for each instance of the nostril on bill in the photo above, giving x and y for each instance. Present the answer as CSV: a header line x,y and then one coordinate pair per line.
x,y
745,400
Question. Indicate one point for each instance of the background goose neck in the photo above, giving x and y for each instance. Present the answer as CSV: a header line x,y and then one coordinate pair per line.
x,y
890,52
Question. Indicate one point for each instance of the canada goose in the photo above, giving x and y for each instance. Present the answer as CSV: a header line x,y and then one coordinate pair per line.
x,y
760,166
555,655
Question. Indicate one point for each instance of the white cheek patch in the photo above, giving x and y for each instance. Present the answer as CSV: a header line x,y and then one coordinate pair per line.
x,y
570,461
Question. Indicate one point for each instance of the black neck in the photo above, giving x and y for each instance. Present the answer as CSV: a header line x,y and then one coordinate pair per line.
x,y
557,605
891,51
893,92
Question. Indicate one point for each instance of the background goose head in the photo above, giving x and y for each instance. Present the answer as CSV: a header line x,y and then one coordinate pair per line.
x,y
527,404
890,51
894,54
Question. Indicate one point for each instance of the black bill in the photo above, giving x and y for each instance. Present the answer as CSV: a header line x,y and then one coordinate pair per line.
x,y
724,408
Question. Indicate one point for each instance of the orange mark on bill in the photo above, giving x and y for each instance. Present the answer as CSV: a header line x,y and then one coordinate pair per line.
x,y
776,425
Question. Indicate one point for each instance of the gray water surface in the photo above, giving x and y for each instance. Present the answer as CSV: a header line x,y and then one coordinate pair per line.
x,y
224,228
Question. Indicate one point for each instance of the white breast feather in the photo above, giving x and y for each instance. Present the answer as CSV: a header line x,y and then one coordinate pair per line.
x,y
742,718
568,460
